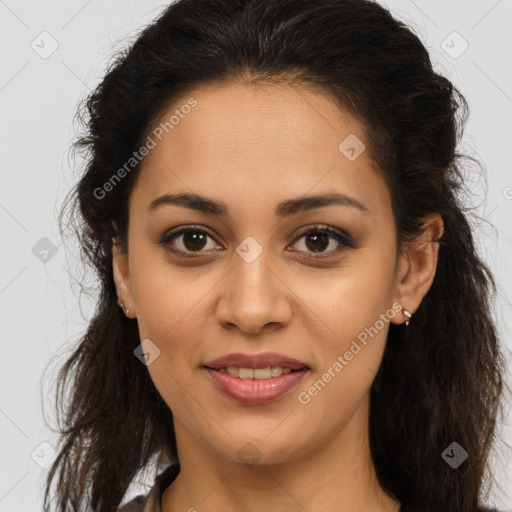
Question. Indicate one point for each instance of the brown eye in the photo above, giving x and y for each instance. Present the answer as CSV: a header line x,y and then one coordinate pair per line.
x,y
187,241
317,241
194,240
319,238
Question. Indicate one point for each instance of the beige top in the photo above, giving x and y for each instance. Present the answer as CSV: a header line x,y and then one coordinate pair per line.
x,y
151,502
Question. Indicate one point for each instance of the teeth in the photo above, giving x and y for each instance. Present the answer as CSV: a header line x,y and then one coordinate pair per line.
x,y
258,373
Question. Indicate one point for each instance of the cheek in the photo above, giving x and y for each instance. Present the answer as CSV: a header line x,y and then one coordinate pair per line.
x,y
348,357
168,299
353,307
171,313
351,298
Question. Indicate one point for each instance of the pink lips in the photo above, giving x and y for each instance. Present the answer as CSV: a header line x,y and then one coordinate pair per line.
x,y
256,391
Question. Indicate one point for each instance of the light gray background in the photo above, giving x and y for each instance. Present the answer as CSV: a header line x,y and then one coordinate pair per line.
x,y
39,309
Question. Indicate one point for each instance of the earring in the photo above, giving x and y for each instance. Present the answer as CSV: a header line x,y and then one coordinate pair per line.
x,y
407,314
125,309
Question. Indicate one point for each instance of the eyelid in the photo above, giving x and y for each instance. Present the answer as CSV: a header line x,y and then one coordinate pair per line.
x,y
180,230
345,240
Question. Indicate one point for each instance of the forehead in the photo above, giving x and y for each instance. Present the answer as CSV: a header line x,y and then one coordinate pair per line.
x,y
259,143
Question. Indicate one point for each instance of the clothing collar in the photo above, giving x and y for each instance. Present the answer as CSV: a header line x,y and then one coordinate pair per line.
x,y
162,481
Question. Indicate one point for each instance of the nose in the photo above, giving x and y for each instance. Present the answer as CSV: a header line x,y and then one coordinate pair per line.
x,y
254,297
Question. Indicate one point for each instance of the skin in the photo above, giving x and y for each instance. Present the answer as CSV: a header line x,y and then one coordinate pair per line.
x,y
253,147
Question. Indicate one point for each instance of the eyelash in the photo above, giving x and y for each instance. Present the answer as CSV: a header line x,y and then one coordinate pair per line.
x,y
343,239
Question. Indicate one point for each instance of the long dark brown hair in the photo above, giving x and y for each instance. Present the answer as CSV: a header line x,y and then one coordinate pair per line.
x,y
441,378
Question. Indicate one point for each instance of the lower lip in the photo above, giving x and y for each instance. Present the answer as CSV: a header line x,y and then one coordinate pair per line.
x,y
256,391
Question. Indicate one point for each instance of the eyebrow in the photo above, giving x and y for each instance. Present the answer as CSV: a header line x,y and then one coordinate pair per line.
x,y
285,208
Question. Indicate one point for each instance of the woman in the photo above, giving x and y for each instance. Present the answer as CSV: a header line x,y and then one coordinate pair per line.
x,y
262,368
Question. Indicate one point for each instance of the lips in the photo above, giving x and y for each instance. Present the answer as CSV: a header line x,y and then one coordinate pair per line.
x,y
263,360
255,392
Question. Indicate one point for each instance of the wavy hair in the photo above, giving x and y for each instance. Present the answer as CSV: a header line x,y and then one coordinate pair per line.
x,y
441,378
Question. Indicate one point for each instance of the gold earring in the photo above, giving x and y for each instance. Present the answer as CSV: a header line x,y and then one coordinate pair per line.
x,y
125,309
407,314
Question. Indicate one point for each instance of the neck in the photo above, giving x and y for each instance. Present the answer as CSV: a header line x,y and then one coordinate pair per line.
x,y
337,475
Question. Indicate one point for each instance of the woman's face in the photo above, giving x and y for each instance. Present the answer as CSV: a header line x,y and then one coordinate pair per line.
x,y
247,279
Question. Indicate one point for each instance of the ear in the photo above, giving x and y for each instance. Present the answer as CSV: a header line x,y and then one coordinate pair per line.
x,y
417,267
121,272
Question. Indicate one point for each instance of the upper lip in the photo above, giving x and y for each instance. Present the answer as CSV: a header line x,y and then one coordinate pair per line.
x,y
262,360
